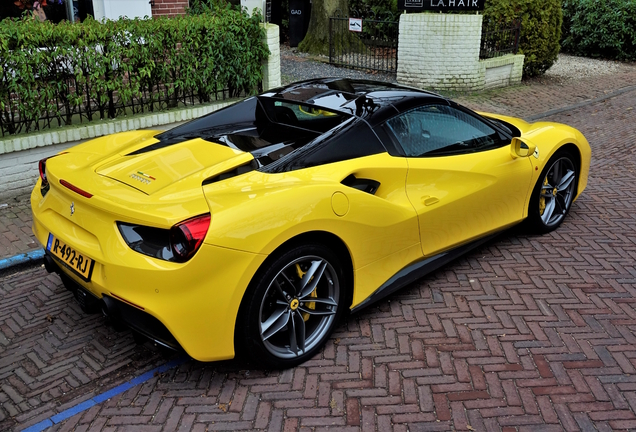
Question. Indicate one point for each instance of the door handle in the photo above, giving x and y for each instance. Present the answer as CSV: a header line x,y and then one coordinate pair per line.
x,y
429,200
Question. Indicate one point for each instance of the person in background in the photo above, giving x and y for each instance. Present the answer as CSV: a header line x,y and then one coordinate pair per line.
x,y
38,12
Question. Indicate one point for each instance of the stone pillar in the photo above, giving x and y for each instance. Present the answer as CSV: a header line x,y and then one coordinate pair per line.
x,y
440,51
271,67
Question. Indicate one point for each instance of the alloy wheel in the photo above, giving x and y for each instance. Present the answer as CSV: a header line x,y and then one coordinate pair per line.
x,y
299,307
557,191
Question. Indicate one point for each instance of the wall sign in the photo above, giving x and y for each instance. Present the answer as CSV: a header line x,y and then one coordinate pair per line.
x,y
441,5
355,24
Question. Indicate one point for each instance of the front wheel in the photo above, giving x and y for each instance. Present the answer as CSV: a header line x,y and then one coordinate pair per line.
x,y
554,193
293,307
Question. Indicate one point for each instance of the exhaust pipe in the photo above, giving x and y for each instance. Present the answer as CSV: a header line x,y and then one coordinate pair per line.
x,y
111,311
49,265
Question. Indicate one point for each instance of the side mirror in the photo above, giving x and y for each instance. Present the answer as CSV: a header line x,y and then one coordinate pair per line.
x,y
520,148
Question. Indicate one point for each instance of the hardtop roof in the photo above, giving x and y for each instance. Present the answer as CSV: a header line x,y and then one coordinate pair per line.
x,y
344,94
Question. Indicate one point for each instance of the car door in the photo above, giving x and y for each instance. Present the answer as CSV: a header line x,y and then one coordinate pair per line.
x,y
462,179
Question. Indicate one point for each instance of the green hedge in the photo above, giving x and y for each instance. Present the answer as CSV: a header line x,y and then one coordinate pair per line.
x,y
540,29
600,28
58,74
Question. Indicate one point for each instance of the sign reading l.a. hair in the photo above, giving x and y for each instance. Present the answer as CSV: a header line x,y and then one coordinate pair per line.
x,y
441,5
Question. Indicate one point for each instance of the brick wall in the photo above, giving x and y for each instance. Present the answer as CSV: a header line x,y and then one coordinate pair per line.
x,y
168,7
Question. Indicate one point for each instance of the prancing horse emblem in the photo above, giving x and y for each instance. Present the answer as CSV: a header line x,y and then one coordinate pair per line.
x,y
72,208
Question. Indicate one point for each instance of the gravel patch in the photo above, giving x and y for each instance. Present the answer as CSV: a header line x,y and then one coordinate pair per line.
x,y
296,66
568,66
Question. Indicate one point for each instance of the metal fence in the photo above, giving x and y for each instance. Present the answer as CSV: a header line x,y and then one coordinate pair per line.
x,y
71,105
499,39
363,43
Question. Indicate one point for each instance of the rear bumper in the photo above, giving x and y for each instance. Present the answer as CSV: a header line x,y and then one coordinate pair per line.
x,y
193,305
117,311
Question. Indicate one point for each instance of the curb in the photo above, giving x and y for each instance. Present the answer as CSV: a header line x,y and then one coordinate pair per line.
x,y
24,258
580,104
97,399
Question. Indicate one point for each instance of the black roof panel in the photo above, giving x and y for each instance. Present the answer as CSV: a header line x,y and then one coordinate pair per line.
x,y
356,97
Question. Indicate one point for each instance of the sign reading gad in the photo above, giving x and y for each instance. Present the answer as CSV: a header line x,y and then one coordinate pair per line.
x,y
441,5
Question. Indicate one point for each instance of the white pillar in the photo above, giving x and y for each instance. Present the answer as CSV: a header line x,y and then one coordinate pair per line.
x,y
440,51
271,67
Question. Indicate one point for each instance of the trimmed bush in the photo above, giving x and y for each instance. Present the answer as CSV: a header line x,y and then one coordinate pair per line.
x,y
600,28
540,29
65,73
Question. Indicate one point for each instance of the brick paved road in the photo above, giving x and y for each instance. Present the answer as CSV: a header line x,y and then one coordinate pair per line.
x,y
15,227
527,333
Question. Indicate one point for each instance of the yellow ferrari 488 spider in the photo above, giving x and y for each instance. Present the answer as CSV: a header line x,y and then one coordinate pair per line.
x,y
260,225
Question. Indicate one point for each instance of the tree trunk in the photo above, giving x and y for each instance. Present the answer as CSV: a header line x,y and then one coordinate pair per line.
x,y
317,39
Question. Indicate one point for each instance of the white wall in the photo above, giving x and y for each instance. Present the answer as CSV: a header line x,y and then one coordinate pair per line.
x,y
114,9
441,51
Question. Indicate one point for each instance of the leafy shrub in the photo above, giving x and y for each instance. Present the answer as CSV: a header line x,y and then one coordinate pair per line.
x,y
540,29
600,28
199,7
103,70
374,9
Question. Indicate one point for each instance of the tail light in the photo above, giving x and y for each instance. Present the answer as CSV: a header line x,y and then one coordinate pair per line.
x,y
42,168
177,244
44,188
186,237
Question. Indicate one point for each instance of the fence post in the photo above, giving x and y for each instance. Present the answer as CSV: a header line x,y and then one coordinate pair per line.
x,y
330,41
517,33
271,66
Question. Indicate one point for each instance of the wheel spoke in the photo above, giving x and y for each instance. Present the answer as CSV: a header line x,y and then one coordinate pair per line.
x,y
311,278
325,301
275,322
316,312
298,329
549,209
566,181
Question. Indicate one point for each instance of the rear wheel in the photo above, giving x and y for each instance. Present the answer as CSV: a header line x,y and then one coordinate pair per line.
x,y
293,306
554,193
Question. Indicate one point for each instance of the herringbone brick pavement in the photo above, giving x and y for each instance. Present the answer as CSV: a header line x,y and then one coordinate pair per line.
x,y
526,333
15,227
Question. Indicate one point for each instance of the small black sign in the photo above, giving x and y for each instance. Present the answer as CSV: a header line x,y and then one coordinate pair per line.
x,y
441,5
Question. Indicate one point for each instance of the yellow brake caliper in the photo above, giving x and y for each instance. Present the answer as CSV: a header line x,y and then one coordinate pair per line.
x,y
541,199
310,305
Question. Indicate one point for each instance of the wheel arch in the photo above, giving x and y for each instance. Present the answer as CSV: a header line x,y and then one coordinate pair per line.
x,y
574,150
324,238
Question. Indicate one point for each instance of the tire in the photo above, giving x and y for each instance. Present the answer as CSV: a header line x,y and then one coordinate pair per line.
x,y
286,318
554,193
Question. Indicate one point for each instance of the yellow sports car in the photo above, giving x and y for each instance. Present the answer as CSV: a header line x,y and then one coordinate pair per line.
x,y
260,225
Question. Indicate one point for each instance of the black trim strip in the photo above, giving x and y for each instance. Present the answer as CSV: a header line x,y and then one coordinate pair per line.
x,y
417,270
141,321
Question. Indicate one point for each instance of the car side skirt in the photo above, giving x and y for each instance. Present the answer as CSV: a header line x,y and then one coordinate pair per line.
x,y
419,269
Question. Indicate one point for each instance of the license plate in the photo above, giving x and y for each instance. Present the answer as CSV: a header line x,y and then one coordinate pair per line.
x,y
73,260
